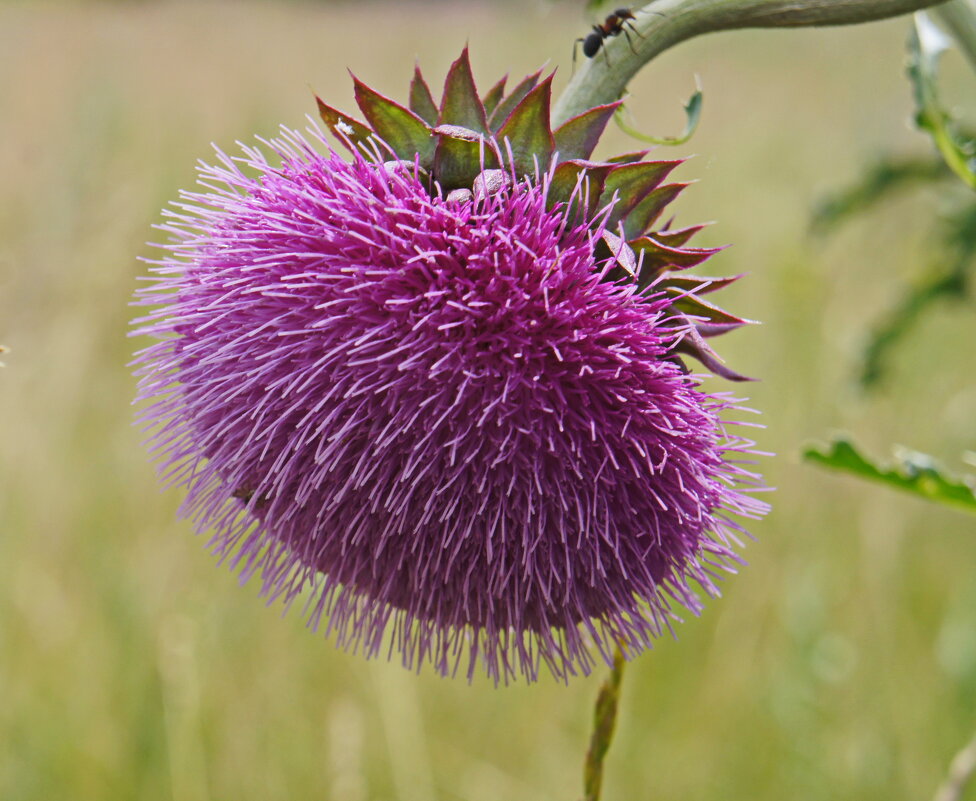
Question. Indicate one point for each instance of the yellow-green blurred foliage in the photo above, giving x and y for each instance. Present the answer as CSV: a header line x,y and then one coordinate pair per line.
x,y
840,664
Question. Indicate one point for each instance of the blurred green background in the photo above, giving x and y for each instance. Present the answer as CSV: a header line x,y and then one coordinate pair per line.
x,y
841,663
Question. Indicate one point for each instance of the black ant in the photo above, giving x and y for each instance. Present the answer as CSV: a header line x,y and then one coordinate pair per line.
x,y
615,24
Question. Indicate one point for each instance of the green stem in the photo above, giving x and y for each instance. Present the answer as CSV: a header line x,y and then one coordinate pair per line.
x,y
664,23
604,720
959,17
960,772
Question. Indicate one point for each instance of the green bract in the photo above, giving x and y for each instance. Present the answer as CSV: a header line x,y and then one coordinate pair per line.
x,y
471,144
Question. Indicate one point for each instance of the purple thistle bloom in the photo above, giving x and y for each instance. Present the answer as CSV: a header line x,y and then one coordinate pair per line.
x,y
435,417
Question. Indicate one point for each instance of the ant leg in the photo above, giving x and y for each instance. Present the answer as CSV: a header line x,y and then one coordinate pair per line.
x,y
575,48
606,56
630,41
633,27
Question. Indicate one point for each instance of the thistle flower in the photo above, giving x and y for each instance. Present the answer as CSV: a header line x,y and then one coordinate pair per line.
x,y
436,389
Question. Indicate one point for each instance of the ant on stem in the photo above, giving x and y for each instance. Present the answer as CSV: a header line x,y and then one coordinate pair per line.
x,y
615,24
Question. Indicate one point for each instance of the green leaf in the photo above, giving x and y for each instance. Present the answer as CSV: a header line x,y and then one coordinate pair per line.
x,y
912,472
460,104
577,181
628,158
406,133
494,96
645,213
710,320
657,257
632,183
528,133
693,344
676,238
351,132
692,108
421,100
577,138
925,45
460,156
508,104
698,284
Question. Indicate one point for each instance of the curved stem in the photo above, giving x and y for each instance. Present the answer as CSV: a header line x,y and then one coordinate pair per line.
x,y
664,23
604,721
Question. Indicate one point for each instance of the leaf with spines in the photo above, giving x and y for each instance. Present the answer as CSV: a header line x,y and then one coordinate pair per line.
x,y
913,472
675,239
577,138
709,319
650,208
508,103
926,45
528,133
693,344
627,158
461,155
494,96
460,104
351,132
657,258
421,100
697,284
631,183
406,133
577,182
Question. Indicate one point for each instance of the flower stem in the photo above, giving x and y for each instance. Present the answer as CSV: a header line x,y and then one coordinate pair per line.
x,y
604,720
663,23
959,16
961,770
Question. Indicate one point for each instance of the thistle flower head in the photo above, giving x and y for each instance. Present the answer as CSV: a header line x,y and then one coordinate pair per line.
x,y
440,397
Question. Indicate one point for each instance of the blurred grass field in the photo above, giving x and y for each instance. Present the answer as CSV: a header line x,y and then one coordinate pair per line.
x,y
841,663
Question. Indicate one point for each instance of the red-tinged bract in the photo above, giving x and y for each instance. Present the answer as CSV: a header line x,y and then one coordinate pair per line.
x,y
436,416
